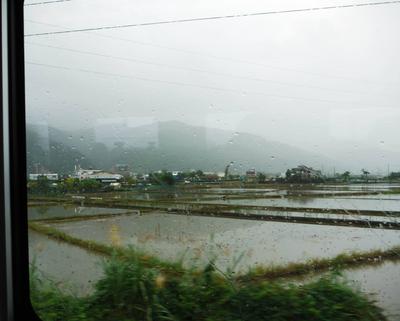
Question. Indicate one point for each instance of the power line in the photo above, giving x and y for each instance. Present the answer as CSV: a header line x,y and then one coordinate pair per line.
x,y
222,58
254,14
44,3
222,74
176,83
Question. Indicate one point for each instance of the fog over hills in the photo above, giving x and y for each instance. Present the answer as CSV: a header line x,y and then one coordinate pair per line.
x,y
169,145
174,145
318,87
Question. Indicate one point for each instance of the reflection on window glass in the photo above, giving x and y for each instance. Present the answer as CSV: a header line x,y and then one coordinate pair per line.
x,y
229,160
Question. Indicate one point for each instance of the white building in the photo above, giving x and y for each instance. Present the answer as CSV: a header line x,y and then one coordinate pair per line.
x,y
50,177
96,174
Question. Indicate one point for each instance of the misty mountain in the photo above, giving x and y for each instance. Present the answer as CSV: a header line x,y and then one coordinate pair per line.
x,y
168,145
46,154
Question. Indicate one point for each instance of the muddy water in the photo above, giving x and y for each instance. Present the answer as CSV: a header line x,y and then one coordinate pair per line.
x,y
73,269
177,194
76,270
361,187
378,196
320,216
170,236
380,282
383,282
386,205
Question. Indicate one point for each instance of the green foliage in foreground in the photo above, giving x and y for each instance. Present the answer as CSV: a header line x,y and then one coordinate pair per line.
x,y
131,291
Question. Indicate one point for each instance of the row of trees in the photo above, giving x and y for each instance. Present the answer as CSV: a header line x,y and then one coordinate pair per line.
x,y
163,178
394,176
43,186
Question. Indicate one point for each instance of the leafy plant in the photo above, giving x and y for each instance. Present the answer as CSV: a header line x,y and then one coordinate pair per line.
x,y
131,291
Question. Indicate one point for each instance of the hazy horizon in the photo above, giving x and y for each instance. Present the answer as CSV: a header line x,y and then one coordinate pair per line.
x,y
322,81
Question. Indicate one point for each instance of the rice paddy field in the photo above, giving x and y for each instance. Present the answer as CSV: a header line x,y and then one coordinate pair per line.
x,y
243,230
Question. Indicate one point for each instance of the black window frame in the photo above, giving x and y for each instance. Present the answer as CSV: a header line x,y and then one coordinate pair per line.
x,y
15,301
14,254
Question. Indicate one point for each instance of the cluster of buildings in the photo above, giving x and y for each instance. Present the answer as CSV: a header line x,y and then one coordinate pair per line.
x,y
48,176
303,173
81,174
119,171
97,174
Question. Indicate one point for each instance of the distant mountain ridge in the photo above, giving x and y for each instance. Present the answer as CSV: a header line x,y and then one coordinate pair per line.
x,y
169,145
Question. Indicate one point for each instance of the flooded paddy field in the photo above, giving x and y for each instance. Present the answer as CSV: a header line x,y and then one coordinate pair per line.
x,y
362,187
184,194
171,237
76,270
196,238
215,193
320,217
364,204
71,268
155,196
381,282
394,197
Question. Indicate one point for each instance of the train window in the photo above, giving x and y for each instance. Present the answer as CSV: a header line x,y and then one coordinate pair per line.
x,y
213,160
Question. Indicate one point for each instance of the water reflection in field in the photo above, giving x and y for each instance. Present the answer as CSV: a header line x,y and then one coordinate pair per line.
x,y
199,239
169,236
367,204
71,268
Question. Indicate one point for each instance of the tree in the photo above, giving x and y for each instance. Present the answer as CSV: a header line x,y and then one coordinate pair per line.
x,y
199,173
365,173
394,175
89,185
288,174
167,178
261,177
163,178
130,180
345,176
70,185
41,186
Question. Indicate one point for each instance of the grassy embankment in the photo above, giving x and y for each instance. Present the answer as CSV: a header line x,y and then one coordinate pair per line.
x,y
129,290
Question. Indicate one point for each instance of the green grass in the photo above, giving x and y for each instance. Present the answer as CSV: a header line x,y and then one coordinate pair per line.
x,y
344,260
129,290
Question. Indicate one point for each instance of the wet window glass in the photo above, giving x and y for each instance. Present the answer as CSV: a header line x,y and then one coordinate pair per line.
x,y
213,160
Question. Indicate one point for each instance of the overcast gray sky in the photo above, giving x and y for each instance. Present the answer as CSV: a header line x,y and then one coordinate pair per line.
x,y
318,79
